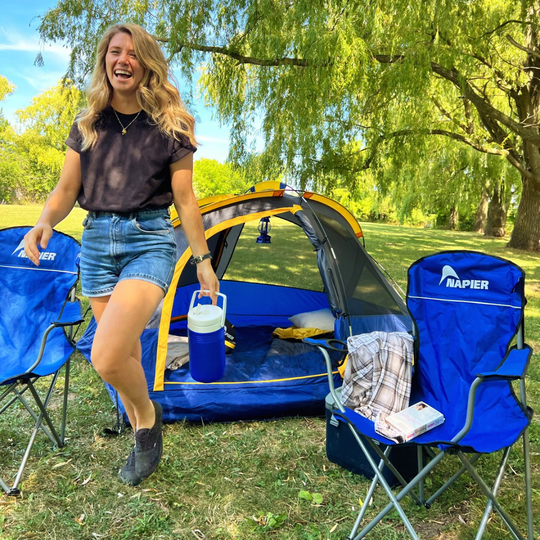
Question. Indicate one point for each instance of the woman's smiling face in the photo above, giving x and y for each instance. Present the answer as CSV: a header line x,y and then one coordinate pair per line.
x,y
123,68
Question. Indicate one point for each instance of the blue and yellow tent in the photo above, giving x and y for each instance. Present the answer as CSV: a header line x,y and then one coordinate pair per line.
x,y
265,376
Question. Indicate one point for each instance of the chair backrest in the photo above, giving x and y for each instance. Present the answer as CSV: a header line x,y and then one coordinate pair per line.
x,y
32,296
467,307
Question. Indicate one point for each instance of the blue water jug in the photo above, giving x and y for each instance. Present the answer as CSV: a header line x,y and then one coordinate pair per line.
x,y
206,337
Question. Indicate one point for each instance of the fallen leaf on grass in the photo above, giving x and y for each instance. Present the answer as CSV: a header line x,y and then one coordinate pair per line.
x,y
62,464
87,480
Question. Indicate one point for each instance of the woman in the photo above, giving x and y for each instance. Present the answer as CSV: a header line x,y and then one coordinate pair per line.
x,y
130,156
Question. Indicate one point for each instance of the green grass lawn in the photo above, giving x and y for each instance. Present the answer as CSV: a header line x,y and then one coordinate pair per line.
x,y
245,480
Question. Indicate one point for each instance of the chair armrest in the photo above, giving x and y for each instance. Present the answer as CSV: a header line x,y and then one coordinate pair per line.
x,y
71,314
323,345
514,366
327,344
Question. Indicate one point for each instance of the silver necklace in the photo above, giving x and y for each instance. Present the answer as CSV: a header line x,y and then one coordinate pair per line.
x,y
124,129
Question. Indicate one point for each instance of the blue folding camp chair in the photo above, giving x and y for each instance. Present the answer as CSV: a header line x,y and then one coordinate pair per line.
x,y
38,311
467,309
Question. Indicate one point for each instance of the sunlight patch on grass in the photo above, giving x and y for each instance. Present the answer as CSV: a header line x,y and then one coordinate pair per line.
x,y
27,215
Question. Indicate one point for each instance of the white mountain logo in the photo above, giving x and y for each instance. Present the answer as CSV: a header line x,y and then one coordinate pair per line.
x,y
20,246
448,271
453,281
43,256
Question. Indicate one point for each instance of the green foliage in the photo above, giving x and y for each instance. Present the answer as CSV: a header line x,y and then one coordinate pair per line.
x,y
10,162
51,114
268,521
11,170
6,88
213,178
345,86
31,160
315,498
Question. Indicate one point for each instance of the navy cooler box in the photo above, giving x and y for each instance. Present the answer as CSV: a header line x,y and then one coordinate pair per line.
x,y
343,450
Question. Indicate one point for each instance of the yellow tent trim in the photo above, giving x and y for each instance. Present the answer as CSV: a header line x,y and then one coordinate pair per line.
x,y
164,324
201,202
209,204
256,382
271,185
338,208
270,188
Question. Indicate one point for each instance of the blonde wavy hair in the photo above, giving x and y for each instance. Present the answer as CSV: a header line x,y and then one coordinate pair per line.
x,y
156,94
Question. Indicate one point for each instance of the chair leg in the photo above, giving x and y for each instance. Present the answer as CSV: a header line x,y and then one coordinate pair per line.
x,y
451,480
51,433
495,489
485,489
526,455
403,493
386,458
370,492
42,405
420,461
65,404
15,487
394,504
528,485
4,487
5,393
19,396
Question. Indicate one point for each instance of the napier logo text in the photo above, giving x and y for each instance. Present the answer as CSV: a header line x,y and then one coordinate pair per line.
x,y
44,255
453,281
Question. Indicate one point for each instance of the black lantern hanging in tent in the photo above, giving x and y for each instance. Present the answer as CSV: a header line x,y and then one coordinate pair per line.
x,y
264,229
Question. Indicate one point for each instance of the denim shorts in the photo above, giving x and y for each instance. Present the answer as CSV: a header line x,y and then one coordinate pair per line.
x,y
116,247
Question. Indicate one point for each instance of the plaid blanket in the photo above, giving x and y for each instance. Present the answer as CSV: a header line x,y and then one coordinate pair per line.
x,y
377,378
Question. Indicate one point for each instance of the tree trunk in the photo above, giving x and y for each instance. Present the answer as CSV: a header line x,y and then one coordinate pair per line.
x,y
496,215
453,218
526,233
481,212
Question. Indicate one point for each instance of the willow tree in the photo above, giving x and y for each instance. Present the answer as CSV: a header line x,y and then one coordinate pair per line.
x,y
315,76
43,127
9,166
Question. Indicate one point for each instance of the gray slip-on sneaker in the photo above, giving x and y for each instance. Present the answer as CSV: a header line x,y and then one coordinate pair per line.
x,y
127,472
149,446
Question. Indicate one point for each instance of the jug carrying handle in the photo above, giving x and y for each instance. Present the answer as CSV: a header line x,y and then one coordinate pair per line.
x,y
195,293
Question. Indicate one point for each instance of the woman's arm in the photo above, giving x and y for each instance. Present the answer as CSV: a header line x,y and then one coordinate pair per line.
x,y
58,206
190,217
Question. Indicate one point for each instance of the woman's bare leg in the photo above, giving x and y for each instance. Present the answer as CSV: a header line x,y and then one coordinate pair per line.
x,y
116,351
98,306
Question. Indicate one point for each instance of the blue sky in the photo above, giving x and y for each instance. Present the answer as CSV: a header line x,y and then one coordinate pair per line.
x,y
19,45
